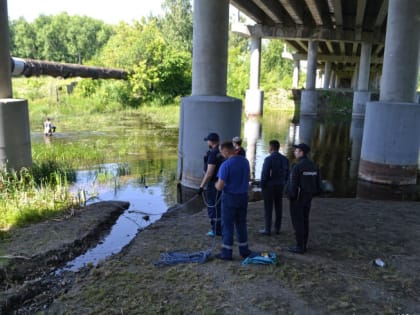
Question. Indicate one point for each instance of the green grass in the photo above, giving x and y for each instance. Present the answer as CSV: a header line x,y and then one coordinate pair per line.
x,y
27,198
42,191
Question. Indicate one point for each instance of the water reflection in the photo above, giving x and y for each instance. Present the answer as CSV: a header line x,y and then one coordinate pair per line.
x,y
336,147
149,194
356,135
252,133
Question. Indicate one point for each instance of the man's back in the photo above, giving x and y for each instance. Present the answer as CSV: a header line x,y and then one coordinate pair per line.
x,y
275,170
236,173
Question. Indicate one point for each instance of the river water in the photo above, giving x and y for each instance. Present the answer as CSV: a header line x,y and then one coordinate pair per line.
x,y
146,177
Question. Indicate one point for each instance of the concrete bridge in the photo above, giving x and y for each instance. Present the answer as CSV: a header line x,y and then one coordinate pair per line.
x,y
349,40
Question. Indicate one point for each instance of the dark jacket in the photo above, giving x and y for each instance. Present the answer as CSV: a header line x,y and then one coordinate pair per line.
x,y
214,157
305,177
275,170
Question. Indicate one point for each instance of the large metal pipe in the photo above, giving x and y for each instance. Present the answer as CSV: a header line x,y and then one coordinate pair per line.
x,y
31,67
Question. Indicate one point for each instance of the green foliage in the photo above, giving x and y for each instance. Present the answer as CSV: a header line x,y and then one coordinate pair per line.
x,y
238,72
63,38
51,172
32,194
177,24
158,68
277,71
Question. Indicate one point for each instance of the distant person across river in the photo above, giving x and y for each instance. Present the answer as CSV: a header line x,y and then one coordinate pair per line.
x,y
49,128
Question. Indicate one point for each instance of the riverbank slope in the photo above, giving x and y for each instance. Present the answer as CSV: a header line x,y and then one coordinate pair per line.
x,y
336,276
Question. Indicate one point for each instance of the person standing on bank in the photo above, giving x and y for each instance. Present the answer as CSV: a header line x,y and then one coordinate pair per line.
x,y
233,182
304,183
237,143
274,174
212,162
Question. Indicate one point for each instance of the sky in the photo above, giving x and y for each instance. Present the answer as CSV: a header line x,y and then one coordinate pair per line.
x,y
108,11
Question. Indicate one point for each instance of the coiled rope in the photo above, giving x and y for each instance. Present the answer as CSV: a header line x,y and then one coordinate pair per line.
x,y
181,256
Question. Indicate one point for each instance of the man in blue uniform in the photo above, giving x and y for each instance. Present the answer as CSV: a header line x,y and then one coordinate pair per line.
x,y
274,174
304,182
212,162
233,181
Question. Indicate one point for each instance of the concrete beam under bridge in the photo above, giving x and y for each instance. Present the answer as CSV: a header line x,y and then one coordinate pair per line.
x,y
320,33
338,58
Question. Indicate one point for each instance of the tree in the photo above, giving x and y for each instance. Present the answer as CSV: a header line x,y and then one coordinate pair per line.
x,y
85,36
61,38
23,39
276,70
157,67
177,23
238,65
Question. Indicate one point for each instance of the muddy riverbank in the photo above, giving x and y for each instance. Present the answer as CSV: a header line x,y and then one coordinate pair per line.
x,y
336,276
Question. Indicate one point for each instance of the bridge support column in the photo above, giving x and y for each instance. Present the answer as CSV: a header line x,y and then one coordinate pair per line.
x,y
15,137
327,74
15,140
356,135
362,94
254,97
309,99
307,127
208,109
333,79
296,72
355,77
391,136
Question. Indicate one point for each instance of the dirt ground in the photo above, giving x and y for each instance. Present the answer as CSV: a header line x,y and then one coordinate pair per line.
x,y
336,276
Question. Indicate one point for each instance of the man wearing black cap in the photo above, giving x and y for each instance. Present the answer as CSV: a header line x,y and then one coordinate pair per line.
x,y
304,182
212,162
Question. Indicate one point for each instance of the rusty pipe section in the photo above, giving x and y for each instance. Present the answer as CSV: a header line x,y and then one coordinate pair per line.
x,y
32,67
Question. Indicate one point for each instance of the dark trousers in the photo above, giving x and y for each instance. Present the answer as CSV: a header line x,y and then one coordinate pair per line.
x,y
214,207
234,212
273,196
299,212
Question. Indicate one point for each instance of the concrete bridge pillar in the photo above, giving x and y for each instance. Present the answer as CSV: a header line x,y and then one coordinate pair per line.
x,y
254,97
307,127
309,99
296,72
333,80
15,140
355,78
208,109
327,74
5,76
362,94
356,135
391,136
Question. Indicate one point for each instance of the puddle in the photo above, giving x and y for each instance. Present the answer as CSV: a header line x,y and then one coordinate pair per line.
x,y
147,205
